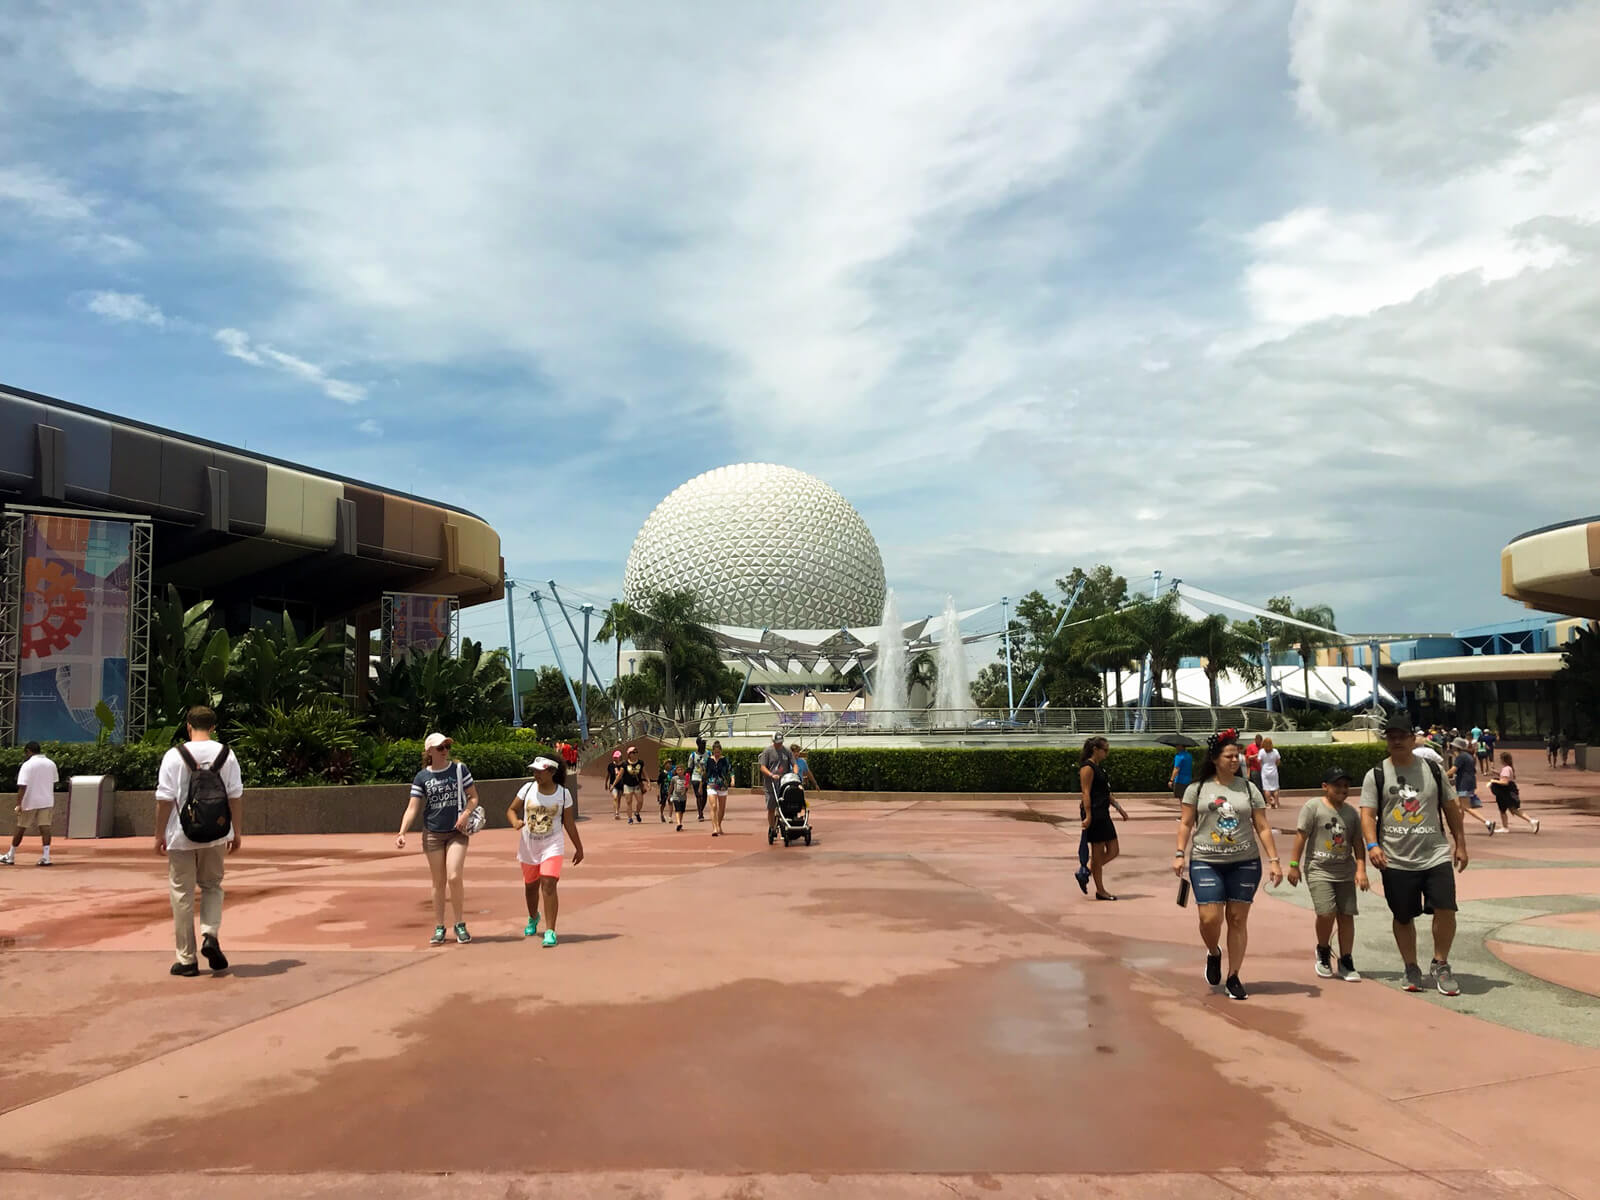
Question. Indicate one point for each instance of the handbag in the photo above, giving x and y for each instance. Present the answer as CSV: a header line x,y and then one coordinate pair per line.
x,y
477,817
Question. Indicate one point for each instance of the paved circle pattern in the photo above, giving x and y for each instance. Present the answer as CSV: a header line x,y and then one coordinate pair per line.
x,y
763,546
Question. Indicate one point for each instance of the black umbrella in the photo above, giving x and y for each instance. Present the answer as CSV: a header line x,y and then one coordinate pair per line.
x,y
1177,741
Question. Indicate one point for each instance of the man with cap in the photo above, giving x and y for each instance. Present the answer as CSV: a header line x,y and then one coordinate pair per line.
x,y
1327,835
775,762
1464,774
1407,805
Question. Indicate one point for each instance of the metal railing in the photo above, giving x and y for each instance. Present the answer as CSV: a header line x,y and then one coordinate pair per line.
x,y
811,728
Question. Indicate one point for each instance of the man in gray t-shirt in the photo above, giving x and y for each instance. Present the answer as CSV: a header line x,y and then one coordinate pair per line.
x,y
775,762
1406,805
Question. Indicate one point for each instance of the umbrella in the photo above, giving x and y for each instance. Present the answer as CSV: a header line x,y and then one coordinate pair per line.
x,y
1177,741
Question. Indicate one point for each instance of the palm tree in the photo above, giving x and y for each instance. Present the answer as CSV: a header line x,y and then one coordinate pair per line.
x,y
668,622
618,624
1223,646
1161,630
1110,646
1305,641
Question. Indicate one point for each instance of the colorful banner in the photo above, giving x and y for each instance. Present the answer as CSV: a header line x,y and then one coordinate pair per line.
x,y
418,623
76,582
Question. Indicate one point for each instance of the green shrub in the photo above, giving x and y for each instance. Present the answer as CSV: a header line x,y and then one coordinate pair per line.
x,y
134,766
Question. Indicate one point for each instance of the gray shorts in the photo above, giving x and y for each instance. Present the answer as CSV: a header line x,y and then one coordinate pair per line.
x,y
1332,895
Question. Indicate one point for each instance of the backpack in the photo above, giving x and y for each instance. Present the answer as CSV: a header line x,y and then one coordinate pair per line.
x,y
1382,778
205,814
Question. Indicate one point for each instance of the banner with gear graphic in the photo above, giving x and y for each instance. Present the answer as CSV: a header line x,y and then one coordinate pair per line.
x,y
76,582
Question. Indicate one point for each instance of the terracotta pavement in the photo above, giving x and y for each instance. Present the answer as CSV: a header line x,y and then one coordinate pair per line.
x,y
921,1003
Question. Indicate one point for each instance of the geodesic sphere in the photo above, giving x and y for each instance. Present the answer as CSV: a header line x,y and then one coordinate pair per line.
x,y
762,546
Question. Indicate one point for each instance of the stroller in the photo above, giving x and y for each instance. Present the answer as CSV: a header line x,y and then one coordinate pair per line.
x,y
794,814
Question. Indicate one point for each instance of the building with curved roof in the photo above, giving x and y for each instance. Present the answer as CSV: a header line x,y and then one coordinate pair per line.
x,y
1556,568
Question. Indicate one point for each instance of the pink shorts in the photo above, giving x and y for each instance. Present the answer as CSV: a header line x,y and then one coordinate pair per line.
x,y
550,868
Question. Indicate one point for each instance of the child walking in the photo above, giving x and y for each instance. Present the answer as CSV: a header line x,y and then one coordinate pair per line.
x,y
1331,830
543,811
680,794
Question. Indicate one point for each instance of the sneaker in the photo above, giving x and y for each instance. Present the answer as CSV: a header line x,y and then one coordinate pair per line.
x,y
215,958
1535,821
532,927
1347,969
45,862
1235,989
462,936
438,936
8,859
1489,825
187,970
1414,982
1444,978
1214,968
1082,877
549,938
1325,962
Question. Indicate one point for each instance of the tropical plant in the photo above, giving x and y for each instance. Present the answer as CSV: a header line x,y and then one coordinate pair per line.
x,y
619,623
1579,677
1305,641
438,690
1161,631
1223,646
188,659
272,667
668,622
1109,645
312,741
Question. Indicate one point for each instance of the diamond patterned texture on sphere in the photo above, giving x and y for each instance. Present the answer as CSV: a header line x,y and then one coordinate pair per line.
x,y
762,546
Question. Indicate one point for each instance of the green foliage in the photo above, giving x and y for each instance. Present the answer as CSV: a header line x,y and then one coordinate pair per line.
x,y
188,660
1579,678
134,766
689,669
439,690
1033,769
273,668
314,743
548,707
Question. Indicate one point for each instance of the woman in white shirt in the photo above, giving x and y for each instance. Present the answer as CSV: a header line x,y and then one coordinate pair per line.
x,y
543,812
1269,760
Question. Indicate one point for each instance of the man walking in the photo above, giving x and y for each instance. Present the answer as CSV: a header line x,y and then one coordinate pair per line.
x,y
36,800
775,762
1406,803
199,802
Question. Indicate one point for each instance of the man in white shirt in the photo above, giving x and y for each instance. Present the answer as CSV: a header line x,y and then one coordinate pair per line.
x,y
193,865
36,800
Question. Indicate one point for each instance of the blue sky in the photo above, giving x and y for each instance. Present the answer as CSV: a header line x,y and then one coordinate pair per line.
x,y
1272,296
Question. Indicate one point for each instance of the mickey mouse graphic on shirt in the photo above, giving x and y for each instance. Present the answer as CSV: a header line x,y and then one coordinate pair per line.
x,y
1408,809
1336,843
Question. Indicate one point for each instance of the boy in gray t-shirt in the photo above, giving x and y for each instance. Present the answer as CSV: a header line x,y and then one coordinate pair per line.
x,y
1326,846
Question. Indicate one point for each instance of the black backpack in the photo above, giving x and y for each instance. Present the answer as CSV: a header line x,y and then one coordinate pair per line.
x,y
1438,791
205,814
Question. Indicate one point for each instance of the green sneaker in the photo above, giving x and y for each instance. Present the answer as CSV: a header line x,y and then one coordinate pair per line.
x,y
532,927
549,938
462,935
438,936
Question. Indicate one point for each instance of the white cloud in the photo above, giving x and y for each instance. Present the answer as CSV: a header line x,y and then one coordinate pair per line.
x,y
237,344
42,197
370,427
125,306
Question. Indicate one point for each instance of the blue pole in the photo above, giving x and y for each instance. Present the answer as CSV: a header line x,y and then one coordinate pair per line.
x,y
1266,669
588,669
1006,621
538,600
1372,649
511,632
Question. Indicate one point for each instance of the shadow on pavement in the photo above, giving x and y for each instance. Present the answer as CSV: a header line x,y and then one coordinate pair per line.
x,y
262,970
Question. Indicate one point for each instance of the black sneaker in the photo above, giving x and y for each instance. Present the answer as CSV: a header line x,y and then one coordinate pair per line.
x,y
1325,962
1347,969
214,956
1235,989
1214,968
187,970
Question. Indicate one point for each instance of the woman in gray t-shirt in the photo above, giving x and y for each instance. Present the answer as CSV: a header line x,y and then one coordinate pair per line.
x,y
1223,825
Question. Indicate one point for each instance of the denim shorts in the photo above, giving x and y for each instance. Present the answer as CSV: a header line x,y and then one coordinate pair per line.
x,y
1231,883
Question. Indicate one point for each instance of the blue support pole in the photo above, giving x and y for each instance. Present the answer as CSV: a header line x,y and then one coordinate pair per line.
x,y
511,632
1065,613
538,601
1372,649
1266,669
588,669
1006,621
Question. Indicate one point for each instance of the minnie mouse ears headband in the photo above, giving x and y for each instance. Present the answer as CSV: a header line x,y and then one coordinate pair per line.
x,y
1217,741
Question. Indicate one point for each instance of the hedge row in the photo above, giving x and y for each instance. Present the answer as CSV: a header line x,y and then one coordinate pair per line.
x,y
136,766
1132,768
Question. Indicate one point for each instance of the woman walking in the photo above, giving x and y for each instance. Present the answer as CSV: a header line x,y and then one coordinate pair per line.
x,y
543,811
443,790
1270,759
1096,806
1509,797
719,777
1223,828
614,785
632,780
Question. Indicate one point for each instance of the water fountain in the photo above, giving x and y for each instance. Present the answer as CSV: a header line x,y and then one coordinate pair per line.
x,y
953,700
889,676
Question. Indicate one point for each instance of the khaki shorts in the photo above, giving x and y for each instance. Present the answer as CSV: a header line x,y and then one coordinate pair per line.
x,y
432,842
1332,895
32,820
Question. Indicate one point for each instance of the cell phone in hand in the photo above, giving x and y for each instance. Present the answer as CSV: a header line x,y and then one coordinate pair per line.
x,y
1183,893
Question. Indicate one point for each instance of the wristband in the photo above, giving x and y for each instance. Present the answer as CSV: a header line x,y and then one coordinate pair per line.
x,y
1372,845
1179,854
1293,862
1272,860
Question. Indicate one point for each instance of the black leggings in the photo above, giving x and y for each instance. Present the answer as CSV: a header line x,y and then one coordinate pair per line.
x,y
700,797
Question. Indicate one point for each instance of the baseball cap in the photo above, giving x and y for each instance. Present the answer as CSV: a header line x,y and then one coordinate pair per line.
x,y
616,754
1400,722
435,740
542,764
777,735
633,749
1335,775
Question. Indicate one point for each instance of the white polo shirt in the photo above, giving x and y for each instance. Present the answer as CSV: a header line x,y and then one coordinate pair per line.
x,y
36,780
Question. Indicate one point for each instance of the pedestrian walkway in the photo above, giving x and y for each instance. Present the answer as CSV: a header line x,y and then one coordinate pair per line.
x,y
923,997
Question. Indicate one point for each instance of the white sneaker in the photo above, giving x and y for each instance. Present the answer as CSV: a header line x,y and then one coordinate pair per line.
x,y
1535,824
1489,825
45,861
8,859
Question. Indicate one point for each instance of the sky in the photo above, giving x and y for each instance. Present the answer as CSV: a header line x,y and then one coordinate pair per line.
x,y
1275,297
